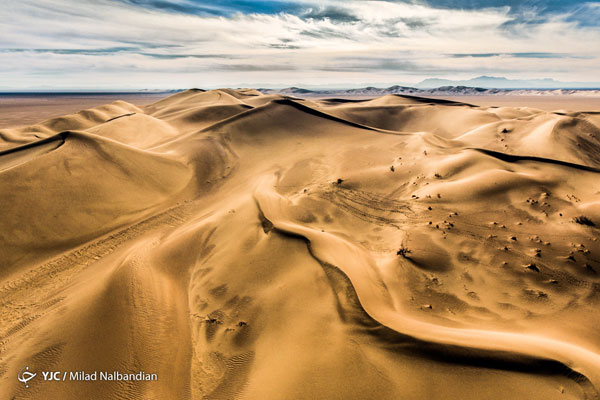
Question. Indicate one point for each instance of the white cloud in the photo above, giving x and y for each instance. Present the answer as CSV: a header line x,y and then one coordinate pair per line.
x,y
387,43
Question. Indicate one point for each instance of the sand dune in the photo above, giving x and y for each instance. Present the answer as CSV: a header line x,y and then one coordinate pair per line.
x,y
250,246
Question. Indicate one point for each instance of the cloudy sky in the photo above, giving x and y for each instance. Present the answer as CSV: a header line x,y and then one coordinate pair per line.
x,y
122,44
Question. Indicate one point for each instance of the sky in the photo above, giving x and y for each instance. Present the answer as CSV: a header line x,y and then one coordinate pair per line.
x,y
169,44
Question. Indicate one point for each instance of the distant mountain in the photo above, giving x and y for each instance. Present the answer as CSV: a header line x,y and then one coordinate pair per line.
x,y
296,90
438,91
490,82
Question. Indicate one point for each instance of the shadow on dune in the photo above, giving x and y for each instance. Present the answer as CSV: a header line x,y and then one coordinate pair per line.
x,y
515,159
59,137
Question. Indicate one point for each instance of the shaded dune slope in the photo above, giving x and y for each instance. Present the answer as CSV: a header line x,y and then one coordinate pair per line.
x,y
245,246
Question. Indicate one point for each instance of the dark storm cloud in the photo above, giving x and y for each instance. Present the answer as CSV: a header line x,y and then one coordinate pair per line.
x,y
333,13
366,64
219,8
195,8
255,67
517,55
87,52
284,46
178,56
325,33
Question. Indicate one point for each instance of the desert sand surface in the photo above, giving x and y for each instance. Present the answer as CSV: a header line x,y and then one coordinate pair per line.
x,y
249,246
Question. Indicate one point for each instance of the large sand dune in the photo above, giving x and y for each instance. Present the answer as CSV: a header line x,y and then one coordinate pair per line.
x,y
249,246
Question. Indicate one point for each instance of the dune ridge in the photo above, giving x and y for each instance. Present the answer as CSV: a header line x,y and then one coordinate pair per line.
x,y
247,245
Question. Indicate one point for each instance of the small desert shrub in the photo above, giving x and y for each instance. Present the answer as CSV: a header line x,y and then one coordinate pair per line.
x,y
583,220
403,251
532,267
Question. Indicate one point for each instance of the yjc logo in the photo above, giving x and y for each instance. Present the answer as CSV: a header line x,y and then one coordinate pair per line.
x,y
51,376
25,376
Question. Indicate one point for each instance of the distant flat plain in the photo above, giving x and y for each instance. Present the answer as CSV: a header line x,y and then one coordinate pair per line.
x,y
29,108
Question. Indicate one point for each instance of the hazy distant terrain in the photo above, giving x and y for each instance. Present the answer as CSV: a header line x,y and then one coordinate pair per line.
x,y
244,245
29,108
23,108
437,91
490,82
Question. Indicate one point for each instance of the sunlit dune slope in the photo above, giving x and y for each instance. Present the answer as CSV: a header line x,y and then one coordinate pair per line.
x,y
249,246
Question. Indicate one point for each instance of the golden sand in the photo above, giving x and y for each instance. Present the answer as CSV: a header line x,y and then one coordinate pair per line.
x,y
249,246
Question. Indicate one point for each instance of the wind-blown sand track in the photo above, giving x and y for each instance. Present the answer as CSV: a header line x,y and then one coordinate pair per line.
x,y
255,246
